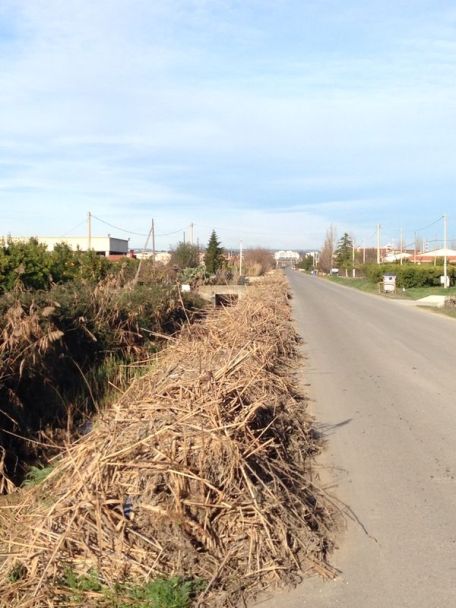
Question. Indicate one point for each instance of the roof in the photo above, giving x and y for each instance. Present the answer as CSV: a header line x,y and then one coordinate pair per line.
x,y
393,257
438,253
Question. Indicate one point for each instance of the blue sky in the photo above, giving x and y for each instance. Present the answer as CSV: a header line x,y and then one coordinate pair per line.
x,y
266,119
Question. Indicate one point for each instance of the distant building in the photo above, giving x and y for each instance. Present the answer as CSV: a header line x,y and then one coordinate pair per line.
x,y
162,257
437,254
286,258
143,255
397,256
102,245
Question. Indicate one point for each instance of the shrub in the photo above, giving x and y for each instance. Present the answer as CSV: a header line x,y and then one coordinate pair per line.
x,y
185,255
257,261
409,275
28,265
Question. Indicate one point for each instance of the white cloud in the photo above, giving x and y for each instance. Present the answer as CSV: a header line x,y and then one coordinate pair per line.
x,y
167,107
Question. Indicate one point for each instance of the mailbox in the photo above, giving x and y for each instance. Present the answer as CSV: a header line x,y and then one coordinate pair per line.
x,y
389,283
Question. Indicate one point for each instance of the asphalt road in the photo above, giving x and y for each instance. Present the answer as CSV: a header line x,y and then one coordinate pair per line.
x,y
382,381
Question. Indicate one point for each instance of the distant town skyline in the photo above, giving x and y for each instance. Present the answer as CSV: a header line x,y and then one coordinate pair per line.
x,y
267,121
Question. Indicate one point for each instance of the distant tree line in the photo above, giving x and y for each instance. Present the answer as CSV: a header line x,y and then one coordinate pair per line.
x,y
215,261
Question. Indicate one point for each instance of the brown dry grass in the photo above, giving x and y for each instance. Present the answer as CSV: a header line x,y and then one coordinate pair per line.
x,y
213,450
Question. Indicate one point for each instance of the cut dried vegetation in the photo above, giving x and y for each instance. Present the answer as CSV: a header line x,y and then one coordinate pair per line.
x,y
60,348
201,470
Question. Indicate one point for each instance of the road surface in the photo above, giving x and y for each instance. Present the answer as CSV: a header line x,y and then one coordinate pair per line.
x,y
383,386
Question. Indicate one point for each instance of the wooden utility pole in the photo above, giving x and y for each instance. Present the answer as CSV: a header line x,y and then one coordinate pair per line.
x,y
151,233
153,241
240,260
378,243
445,258
89,229
353,258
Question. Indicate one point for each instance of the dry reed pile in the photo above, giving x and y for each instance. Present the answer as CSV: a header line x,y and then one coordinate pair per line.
x,y
202,469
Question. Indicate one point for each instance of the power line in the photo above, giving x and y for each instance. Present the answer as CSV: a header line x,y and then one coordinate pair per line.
x,y
135,233
429,225
118,227
170,233
74,228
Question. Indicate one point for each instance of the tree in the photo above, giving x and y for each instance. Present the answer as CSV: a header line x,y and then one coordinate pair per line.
x,y
213,258
344,253
63,263
325,261
92,267
306,263
185,255
28,265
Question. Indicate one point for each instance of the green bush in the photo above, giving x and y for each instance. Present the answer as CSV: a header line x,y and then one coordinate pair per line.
x,y
409,275
28,265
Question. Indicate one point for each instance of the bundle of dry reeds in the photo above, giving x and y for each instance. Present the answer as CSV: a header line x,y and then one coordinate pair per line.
x,y
201,469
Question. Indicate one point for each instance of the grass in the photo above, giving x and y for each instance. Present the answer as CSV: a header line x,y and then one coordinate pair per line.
x,y
412,293
361,284
174,592
36,475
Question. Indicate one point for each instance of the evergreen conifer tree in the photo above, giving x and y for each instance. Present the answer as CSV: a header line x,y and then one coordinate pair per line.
x,y
213,258
344,253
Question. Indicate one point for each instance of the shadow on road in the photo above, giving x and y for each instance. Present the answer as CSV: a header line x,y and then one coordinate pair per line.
x,y
323,430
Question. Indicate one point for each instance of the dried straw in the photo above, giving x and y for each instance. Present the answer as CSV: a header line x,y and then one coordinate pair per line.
x,y
212,449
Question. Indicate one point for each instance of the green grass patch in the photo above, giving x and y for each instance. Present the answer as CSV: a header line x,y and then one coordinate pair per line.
x,y
36,475
361,283
174,592
412,293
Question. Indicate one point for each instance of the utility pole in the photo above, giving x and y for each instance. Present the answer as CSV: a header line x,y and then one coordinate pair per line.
x,y
364,251
184,237
378,243
153,241
414,249
240,260
445,259
353,258
401,244
151,233
89,227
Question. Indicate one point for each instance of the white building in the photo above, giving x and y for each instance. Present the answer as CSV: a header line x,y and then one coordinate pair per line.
x,y
394,256
103,245
162,257
286,255
286,258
